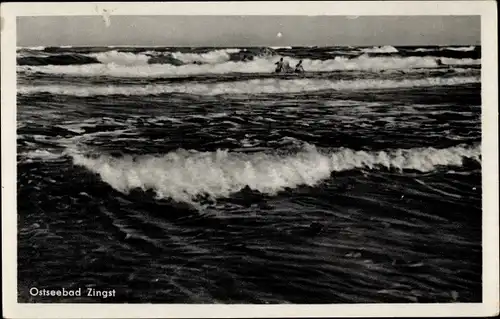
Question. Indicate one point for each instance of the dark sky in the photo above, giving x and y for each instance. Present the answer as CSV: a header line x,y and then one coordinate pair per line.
x,y
248,30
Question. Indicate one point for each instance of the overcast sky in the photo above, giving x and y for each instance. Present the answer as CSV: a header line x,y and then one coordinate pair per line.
x,y
248,30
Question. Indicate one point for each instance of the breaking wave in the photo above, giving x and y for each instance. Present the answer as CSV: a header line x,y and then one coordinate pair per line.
x,y
58,56
211,57
135,66
257,86
150,57
121,58
184,175
180,56
383,49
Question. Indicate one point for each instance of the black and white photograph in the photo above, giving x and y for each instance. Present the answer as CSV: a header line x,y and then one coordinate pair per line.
x,y
291,159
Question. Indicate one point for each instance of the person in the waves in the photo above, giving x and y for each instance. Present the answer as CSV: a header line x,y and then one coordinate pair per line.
x,y
279,66
287,68
299,68
246,58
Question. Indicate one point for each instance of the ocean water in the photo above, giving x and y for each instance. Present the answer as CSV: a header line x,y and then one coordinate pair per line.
x,y
198,175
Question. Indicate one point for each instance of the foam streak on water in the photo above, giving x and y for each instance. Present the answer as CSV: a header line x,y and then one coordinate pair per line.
x,y
265,86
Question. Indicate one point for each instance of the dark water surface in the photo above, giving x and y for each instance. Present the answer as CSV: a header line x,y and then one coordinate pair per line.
x,y
218,182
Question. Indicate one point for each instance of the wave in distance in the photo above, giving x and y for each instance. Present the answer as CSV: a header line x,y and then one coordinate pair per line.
x,y
256,86
135,66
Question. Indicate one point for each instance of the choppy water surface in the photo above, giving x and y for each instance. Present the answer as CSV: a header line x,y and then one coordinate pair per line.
x,y
196,175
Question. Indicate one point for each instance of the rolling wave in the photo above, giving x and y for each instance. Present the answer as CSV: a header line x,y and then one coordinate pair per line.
x,y
211,57
121,58
42,56
175,58
184,175
256,86
179,56
134,66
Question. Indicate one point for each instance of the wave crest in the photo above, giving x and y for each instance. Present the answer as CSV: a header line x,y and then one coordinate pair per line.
x,y
186,175
382,49
176,67
121,58
257,86
211,57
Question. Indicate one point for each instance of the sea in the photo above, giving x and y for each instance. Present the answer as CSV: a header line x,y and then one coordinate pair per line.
x,y
201,176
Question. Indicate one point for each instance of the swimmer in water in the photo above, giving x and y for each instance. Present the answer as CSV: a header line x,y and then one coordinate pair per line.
x,y
299,68
287,68
279,66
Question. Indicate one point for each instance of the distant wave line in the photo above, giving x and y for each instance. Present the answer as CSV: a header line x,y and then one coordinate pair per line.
x,y
256,86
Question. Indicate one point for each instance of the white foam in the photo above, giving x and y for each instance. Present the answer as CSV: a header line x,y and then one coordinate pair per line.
x,y
184,175
139,68
382,49
463,49
212,57
41,155
451,61
256,86
39,48
121,58
165,118
424,50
